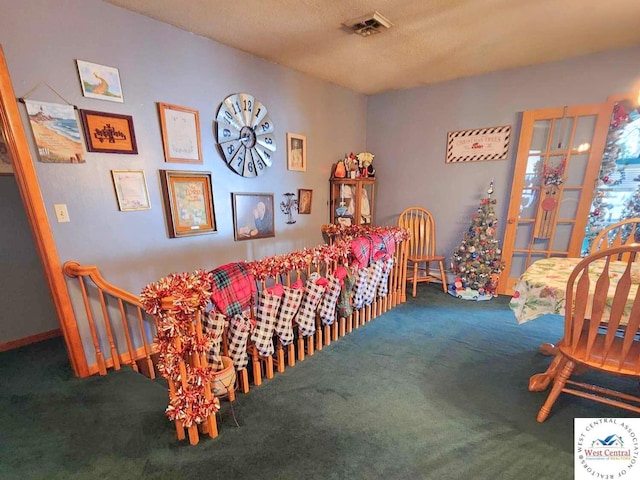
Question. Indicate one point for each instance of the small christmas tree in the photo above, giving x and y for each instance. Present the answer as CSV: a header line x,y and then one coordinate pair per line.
x,y
477,260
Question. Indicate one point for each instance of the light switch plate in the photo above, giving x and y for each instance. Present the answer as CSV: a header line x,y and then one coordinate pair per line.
x,y
61,212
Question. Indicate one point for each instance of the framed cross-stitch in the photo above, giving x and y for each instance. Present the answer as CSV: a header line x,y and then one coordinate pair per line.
x,y
108,132
296,152
100,81
188,202
131,190
180,133
252,215
478,144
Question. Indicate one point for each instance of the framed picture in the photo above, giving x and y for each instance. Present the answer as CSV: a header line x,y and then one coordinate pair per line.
x,y
296,152
100,81
180,133
108,132
479,144
304,201
5,156
188,202
131,190
56,132
252,215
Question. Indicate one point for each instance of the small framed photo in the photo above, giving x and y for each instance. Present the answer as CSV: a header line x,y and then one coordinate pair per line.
x,y
108,132
296,152
100,81
188,202
252,215
304,201
131,190
180,133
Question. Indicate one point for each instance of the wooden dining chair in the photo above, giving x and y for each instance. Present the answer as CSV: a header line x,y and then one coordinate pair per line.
x,y
601,328
422,247
624,232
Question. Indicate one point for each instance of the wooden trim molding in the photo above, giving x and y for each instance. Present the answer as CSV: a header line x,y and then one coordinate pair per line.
x,y
27,180
38,337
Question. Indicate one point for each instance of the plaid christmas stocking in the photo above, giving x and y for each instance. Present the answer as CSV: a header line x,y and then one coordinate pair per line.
x,y
383,287
306,317
239,329
213,327
327,307
374,273
288,308
266,314
360,288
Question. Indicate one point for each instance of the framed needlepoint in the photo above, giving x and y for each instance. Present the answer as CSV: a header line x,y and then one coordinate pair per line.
x,y
478,144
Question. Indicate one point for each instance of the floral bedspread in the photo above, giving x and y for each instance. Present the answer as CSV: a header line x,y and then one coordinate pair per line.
x,y
541,288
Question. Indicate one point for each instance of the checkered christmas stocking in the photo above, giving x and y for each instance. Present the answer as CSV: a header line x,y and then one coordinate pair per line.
x,y
374,273
288,308
239,329
383,287
360,288
213,327
266,315
306,317
327,307
344,300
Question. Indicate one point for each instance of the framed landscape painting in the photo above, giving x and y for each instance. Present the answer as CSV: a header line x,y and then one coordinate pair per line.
x,y
56,132
100,81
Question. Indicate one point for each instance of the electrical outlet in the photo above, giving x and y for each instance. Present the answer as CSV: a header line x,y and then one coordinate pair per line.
x,y
61,212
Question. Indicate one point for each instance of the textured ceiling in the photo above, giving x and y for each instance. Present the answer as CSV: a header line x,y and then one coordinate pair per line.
x,y
431,40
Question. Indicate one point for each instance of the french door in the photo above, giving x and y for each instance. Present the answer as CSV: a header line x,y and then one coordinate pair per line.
x,y
559,155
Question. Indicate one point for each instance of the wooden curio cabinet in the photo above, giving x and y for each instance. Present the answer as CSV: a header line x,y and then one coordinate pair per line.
x,y
351,201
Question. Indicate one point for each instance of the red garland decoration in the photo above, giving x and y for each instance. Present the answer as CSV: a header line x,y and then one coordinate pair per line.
x,y
339,251
191,292
353,231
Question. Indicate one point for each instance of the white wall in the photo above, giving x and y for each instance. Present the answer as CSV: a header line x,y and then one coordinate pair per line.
x,y
407,130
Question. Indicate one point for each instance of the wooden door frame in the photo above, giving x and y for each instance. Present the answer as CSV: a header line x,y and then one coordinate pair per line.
x,y
27,180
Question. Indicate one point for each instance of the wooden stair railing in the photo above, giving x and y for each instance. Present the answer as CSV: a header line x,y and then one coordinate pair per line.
x,y
140,356
132,325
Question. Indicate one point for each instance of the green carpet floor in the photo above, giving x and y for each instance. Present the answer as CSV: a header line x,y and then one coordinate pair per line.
x,y
434,389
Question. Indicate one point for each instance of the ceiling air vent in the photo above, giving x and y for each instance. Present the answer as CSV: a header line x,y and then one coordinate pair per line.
x,y
368,24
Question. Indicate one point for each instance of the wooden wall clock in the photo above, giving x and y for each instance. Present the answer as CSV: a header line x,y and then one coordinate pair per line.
x,y
245,135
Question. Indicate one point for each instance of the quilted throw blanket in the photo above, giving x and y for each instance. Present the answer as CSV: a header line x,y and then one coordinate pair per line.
x,y
233,289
